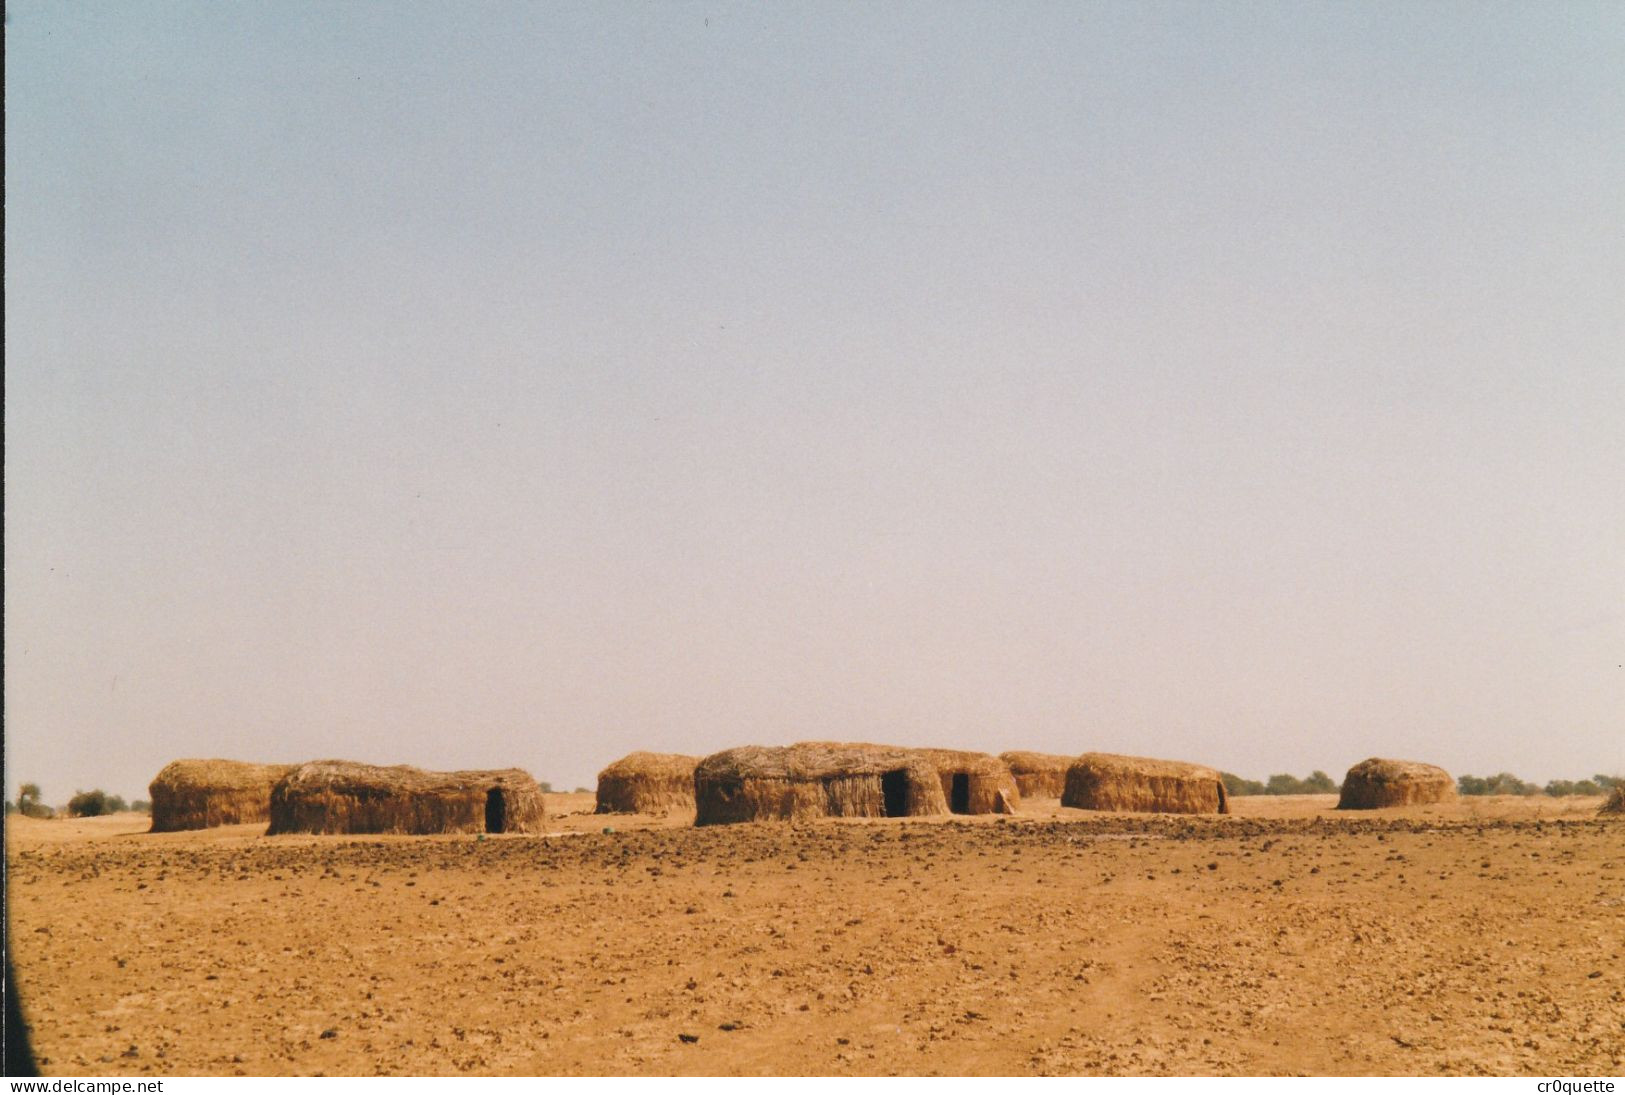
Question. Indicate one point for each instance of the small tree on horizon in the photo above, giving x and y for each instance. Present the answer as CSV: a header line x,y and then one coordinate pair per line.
x,y
28,802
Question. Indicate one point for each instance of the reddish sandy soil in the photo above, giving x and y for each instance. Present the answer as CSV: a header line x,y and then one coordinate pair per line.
x,y
1478,937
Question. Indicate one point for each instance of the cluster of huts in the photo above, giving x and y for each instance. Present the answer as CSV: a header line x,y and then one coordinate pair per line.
x,y
751,783
335,796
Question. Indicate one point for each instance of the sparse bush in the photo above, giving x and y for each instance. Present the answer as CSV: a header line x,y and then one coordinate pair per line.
x,y
545,787
583,791
89,804
1503,783
1236,786
1318,783
141,806
1561,788
116,804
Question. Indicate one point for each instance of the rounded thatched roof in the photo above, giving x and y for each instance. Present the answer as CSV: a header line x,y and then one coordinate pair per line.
x,y
1382,770
1022,760
966,760
809,760
1115,764
217,775
651,766
350,777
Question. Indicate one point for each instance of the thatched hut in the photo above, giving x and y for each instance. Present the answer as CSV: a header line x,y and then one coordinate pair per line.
x,y
1614,805
1106,781
974,783
831,779
1375,783
1038,775
200,794
647,783
335,796
815,779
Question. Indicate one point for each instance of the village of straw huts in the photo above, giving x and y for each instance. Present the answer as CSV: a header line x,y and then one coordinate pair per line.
x,y
203,794
331,796
1107,781
647,783
1376,783
798,782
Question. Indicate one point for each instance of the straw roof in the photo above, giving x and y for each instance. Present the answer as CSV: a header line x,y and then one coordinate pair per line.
x,y
1038,775
1108,781
1377,782
815,779
201,794
335,796
647,783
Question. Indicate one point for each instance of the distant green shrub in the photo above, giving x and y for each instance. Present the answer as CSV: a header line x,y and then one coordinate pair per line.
x,y
1236,786
89,804
1319,783
1560,788
1503,783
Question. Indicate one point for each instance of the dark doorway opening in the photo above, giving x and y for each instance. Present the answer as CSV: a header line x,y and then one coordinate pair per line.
x,y
959,798
894,789
496,811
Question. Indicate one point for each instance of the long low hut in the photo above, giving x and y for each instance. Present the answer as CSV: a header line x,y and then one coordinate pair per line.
x,y
1038,775
201,794
831,779
335,796
974,783
1376,783
815,779
647,783
1106,781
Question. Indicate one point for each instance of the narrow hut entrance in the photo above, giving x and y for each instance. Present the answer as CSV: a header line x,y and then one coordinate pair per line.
x,y
959,796
496,811
894,790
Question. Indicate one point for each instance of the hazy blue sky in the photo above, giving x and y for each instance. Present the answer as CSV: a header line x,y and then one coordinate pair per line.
x,y
481,384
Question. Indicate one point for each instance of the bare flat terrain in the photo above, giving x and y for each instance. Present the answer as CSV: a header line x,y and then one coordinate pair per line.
x,y
1480,937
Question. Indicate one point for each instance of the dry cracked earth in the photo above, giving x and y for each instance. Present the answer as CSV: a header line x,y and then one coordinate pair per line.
x,y
1467,939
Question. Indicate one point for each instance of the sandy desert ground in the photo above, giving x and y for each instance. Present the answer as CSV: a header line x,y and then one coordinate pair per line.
x,y
1479,937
